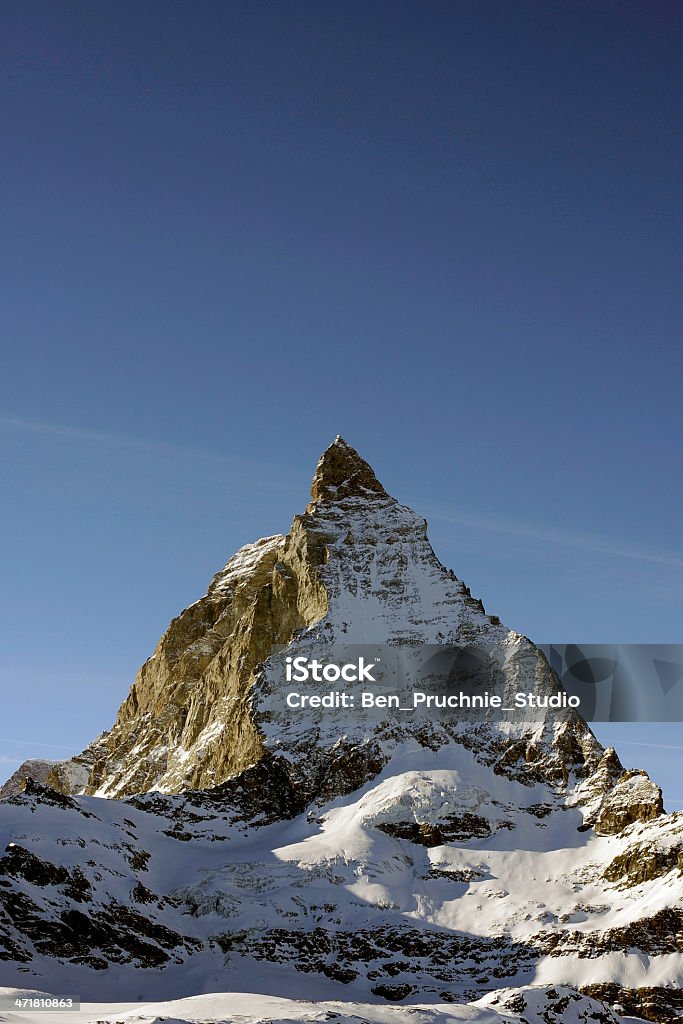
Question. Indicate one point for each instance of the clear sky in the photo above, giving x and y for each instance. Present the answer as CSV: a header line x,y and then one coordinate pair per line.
x,y
450,231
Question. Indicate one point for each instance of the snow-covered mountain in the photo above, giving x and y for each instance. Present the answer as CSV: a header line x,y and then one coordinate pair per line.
x,y
214,840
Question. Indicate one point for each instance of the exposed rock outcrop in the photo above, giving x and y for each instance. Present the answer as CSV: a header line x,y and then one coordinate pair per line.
x,y
635,797
35,768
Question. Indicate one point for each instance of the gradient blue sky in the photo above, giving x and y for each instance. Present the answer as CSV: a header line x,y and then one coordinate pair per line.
x,y
449,231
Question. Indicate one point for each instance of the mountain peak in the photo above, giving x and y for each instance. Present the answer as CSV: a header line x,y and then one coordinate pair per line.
x,y
342,473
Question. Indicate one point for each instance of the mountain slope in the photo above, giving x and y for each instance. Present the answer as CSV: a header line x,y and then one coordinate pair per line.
x,y
376,858
539,1006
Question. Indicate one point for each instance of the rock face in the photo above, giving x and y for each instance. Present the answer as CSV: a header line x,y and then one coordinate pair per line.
x,y
342,473
635,797
35,768
70,776
390,858
187,722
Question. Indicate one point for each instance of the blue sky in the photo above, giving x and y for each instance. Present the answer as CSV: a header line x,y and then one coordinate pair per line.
x,y
450,232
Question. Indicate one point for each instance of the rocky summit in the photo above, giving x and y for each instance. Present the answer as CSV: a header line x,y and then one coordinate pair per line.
x,y
216,841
